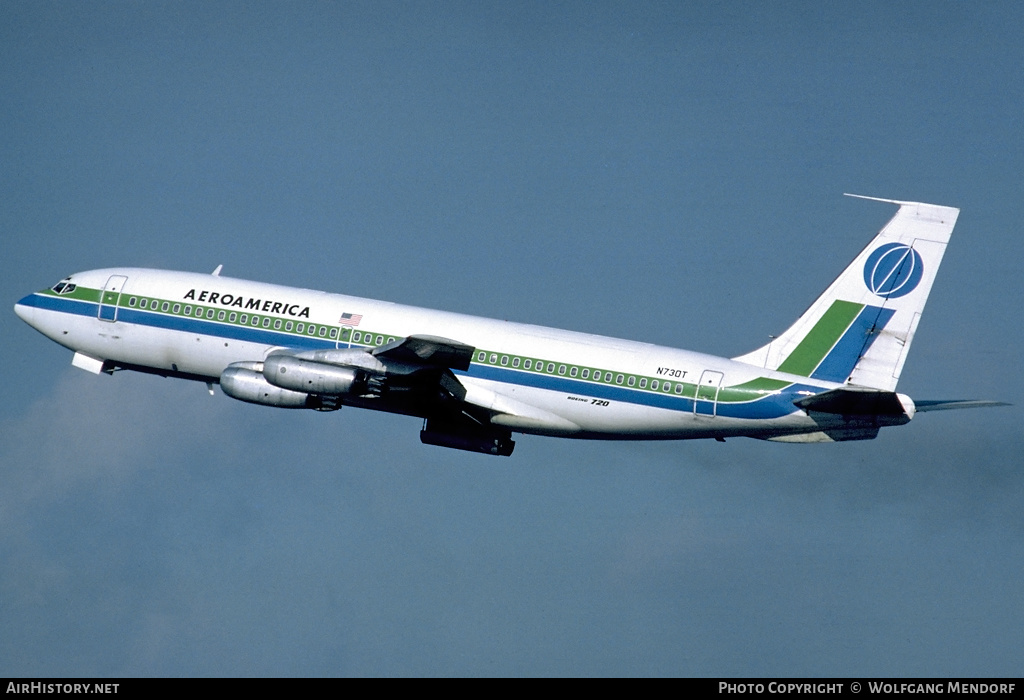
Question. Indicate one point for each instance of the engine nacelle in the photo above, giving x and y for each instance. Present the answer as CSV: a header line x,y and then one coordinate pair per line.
x,y
245,381
289,372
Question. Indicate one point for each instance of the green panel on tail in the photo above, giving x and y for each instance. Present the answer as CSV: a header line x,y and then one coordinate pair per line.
x,y
829,329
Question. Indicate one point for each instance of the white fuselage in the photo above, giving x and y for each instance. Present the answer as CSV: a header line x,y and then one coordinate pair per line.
x,y
558,382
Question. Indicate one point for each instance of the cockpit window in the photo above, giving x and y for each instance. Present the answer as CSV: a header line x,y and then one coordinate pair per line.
x,y
63,287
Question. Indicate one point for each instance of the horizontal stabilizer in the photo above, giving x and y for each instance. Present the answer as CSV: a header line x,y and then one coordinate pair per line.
x,y
959,403
854,401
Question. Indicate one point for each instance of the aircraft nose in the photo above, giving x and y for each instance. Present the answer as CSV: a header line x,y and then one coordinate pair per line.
x,y
25,310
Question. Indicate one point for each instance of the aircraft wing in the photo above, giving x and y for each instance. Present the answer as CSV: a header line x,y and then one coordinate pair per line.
x,y
428,351
479,406
415,375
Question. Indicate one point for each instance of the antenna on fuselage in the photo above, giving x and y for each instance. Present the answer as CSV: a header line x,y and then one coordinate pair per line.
x,y
216,273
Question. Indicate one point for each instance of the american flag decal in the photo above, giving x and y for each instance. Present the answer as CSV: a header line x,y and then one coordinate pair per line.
x,y
350,319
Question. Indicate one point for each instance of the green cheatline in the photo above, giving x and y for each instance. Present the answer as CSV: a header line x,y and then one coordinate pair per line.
x,y
748,391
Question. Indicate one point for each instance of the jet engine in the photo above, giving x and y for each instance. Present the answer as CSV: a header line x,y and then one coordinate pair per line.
x,y
289,372
245,381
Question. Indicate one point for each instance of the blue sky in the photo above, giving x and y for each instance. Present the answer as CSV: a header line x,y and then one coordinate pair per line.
x,y
666,172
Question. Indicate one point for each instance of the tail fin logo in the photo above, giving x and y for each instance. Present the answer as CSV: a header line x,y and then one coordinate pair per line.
x,y
893,270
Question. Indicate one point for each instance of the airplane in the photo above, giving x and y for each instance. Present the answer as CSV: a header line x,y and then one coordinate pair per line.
x,y
830,377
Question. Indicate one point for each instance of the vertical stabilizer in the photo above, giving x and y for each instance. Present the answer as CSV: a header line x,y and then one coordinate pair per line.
x,y
859,331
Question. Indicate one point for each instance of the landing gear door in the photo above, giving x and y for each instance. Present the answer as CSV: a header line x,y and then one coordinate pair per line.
x,y
110,296
706,403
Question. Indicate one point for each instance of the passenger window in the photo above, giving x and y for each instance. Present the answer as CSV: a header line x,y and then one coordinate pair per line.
x,y
266,323
494,358
654,384
277,324
515,361
586,374
243,319
527,364
334,333
299,327
608,377
255,320
323,331
631,381
481,357
380,340
177,308
288,326
573,371
643,383
166,306
679,388
221,315
551,367
358,337
188,310
131,302
209,314
504,360
561,369
618,379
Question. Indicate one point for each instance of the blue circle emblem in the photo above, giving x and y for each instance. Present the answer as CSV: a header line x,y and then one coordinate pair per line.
x,y
893,270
